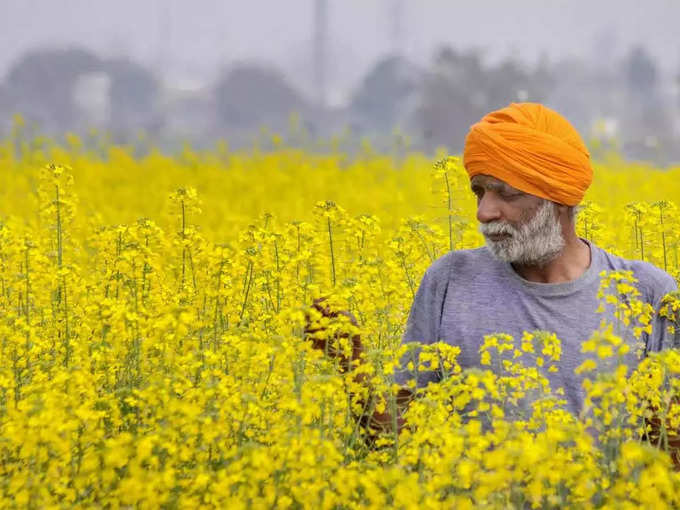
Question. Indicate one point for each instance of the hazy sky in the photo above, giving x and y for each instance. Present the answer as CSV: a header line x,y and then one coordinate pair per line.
x,y
193,40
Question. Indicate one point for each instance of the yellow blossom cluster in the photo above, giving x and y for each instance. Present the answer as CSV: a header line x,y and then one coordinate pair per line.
x,y
152,347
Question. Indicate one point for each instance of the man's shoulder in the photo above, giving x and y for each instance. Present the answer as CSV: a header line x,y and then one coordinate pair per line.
x,y
458,260
653,281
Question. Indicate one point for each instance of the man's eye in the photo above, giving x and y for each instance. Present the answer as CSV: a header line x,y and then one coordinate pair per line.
x,y
511,196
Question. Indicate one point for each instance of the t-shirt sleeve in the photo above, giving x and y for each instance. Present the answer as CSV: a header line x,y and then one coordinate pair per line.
x,y
662,337
423,324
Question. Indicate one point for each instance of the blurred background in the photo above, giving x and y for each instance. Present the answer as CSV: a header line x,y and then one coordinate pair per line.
x,y
400,74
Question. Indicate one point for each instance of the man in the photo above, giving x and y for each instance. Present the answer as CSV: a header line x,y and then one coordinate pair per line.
x,y
529,169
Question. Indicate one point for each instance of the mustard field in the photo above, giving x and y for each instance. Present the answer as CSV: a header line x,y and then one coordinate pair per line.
x,y
152,350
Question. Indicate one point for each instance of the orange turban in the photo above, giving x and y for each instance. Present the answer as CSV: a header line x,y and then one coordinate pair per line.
x,y
531,148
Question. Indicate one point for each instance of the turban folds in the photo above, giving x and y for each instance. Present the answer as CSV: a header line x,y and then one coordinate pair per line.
x,y
533,149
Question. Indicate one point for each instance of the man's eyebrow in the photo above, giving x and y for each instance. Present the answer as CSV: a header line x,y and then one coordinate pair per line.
x,y
492,185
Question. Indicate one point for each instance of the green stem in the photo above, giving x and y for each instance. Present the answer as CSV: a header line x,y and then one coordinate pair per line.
x,y
62,289
330,239
59,241
408,277
450,200
193,273
297,263
28,311
217,304
663,239
28,289
183,247
67,340
138,338
278,278
146,268
247,290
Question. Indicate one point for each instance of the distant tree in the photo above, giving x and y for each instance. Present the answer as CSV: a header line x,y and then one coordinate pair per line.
x,y
458,90
452,97
132,94
250,95
5,111
543,79
677,84
640,71
40,85
511,80
647,115
385,92
4,103
585,93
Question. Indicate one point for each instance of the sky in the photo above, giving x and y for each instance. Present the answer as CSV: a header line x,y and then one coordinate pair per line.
x,y
191,42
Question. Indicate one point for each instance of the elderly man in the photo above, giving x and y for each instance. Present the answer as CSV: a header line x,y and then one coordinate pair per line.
x,y
529,169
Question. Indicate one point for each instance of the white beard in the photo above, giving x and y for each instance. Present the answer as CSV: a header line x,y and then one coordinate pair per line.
x,y
534,242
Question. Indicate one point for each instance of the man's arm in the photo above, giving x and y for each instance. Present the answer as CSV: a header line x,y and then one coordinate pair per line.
x,y
371,418
665,335
422,328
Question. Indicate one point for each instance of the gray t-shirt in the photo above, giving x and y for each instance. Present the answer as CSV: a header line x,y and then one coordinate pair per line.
x,y
466,294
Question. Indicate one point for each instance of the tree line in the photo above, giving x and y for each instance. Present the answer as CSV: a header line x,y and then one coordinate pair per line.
x,y
431,105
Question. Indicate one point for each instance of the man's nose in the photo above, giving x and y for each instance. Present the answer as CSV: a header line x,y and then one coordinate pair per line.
x,y
488,208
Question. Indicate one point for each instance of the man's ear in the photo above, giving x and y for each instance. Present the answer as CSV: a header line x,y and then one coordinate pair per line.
x,y
572,210
567,212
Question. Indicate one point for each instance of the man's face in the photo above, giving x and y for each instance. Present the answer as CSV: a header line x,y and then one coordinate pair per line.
x,y
518,227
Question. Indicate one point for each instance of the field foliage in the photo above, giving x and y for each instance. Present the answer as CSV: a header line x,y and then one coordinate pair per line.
x,y
152,354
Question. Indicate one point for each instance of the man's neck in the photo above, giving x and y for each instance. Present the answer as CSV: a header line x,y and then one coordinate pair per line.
x,y
569,265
